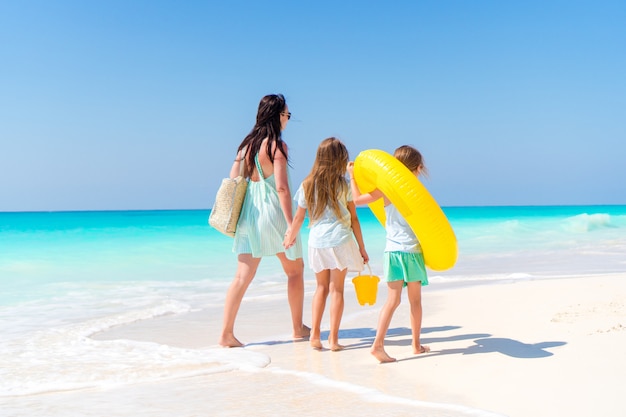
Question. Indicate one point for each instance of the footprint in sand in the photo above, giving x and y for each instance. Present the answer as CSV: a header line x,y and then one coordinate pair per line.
x,y
601,315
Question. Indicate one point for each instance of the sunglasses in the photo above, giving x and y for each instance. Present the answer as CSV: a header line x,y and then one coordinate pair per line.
x,y
287,114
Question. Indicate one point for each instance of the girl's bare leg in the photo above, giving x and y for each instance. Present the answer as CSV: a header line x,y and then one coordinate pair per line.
x,y
318,305
415,299
295,294
394,295
246,269
337,282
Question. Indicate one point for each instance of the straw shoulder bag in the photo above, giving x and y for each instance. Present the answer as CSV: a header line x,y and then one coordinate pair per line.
x,y
228,202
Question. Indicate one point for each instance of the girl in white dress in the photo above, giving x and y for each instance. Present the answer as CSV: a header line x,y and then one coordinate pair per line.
x,y
334,225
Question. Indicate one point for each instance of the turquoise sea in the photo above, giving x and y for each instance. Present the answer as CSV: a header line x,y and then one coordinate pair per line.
x,y
67,275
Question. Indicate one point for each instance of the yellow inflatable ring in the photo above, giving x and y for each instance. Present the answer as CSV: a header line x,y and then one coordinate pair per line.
x,y
376,169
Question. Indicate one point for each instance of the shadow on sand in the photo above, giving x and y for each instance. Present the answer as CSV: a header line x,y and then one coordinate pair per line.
x,y
483,343
508,347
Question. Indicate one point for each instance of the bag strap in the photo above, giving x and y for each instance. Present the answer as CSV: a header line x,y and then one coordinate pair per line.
x,y
242,161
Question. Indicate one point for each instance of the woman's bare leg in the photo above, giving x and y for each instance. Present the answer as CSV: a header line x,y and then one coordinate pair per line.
x,y
394,294
246,269
337,282
318,306
295,293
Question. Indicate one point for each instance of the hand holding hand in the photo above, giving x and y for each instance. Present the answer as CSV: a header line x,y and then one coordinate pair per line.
x,y
288,241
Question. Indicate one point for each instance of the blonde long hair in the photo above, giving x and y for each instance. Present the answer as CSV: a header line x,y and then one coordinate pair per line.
x,y
327,181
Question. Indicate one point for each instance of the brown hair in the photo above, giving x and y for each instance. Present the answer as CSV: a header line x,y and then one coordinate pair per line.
x,y
411,158
327,181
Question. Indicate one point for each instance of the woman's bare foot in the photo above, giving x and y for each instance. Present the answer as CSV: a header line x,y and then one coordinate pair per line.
x,y
336,347
316,344
380,354
421,349
230,342
303,333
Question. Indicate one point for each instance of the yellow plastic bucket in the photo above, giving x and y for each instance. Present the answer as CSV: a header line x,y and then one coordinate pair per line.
x,y
366,287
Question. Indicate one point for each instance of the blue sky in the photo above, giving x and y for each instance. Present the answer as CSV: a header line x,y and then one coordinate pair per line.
x,y
141,104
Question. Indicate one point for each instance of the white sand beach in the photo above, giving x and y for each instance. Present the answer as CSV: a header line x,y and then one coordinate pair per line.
x,y
520,348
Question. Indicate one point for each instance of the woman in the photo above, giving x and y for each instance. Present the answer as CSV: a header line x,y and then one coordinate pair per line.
x,y
265,216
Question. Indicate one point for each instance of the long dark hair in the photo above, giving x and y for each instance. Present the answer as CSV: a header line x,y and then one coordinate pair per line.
x,y
267,126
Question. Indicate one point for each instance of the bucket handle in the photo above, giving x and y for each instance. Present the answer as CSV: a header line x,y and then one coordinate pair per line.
x,y
368,268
